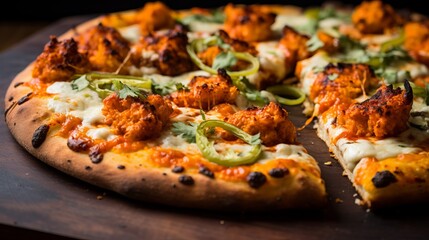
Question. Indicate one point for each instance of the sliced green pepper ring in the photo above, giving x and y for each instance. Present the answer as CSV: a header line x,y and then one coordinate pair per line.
x,y
239,55
282,90
97,80
209,152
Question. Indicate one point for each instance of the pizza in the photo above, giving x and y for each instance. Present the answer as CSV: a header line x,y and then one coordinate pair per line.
x,y
189,108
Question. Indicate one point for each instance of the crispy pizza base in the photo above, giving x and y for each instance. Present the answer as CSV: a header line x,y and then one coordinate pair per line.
x,y
410,170
138,180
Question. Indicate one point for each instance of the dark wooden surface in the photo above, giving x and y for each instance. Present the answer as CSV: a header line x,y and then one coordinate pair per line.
x,y
39,202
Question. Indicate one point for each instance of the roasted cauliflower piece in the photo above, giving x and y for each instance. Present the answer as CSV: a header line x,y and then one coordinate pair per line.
x,y
385,114
417,41
251,23
375,17
154,16
205,92
341,82
271,122
137,118
294,45
59,61
106,48
165,52
208,55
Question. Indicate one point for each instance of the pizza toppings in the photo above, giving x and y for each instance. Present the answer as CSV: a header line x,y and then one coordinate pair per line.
x,y
256,179
295,45
59,61
154,16
136,118
105,47
251,23
375,17
271,122
341,83
205,92
39,135
218,51
385,114
383,179
349,80
162,51
225,57
230,158
417,40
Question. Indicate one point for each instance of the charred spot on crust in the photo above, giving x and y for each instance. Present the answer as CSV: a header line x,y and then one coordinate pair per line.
x,y
256,179
24,99
186,180
10,99
18,84
278,172
383,179
205,171
95,154
39,135
9,108
77,144
178,169
121,167
88,168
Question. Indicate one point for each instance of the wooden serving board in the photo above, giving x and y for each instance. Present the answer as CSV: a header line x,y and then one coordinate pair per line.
x,y
39,201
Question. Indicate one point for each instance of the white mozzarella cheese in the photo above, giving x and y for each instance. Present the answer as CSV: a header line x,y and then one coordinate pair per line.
x,y
84,104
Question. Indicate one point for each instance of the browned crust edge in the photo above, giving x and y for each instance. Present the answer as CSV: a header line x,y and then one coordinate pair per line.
x,y
158,185
393,195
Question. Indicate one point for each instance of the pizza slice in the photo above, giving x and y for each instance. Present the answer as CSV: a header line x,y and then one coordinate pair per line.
x,y
136,103
370,96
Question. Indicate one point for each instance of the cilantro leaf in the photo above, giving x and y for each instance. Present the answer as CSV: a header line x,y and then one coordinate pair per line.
x,y
125,90
180,86
224,60
186,131
129,91
163,89
80,83
249,91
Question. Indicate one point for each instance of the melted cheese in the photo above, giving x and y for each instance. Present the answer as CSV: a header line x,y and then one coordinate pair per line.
x,y
309,67
296,21
131,33
100,133
352,151
272,62
204,27
84,104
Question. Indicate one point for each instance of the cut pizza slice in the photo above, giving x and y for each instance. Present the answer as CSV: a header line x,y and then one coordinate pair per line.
x,y
370,100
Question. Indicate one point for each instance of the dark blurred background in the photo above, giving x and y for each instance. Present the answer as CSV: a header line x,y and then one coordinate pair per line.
x,y
19,19
44,10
